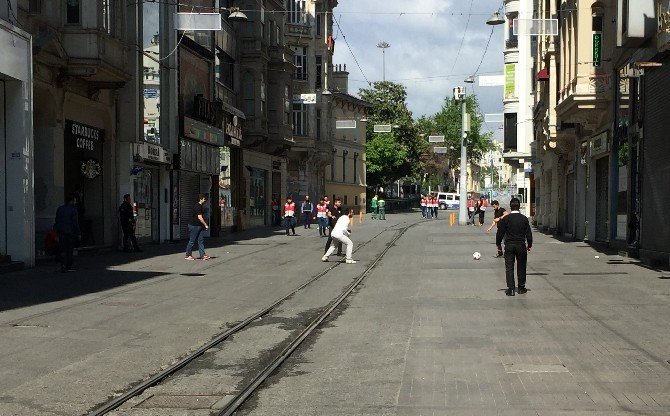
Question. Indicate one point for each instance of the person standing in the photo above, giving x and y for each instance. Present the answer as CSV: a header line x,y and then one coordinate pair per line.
x,y
515,230
373,207
307,209
289,215
483,203
424,205
498,213
434,205
381,209
471,209
276,212
334,214
67,228
341,234
127,220
196,229
322,217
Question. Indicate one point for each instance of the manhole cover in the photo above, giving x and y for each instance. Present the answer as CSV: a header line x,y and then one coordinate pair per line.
x,y
179,402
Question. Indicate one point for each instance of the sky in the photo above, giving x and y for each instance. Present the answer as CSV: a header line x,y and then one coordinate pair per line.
x,y
431,51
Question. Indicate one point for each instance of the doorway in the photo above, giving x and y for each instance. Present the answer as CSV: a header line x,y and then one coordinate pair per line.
x,y
602,199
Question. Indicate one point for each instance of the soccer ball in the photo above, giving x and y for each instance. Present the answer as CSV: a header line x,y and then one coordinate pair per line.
x,y
476,255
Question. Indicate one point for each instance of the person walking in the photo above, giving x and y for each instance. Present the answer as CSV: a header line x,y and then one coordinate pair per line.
x,y
381,209
373,207
434,205
334,214
127,220
196,231
471,209
67,228
515,230
322,217
289,215
307,209
341,234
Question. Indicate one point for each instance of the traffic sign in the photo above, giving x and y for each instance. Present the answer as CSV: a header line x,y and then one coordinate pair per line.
x,y
440,150
382,128
436,139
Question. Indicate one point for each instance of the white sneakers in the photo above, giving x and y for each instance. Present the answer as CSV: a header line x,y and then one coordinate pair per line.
x,y
351,261
324,258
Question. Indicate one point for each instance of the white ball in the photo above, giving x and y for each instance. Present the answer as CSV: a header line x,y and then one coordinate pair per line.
x,y
476,255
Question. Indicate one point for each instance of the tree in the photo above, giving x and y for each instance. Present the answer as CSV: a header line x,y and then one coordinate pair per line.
x,y
447,122
391,156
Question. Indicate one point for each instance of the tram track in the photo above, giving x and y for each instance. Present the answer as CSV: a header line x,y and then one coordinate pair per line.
x,y
218,339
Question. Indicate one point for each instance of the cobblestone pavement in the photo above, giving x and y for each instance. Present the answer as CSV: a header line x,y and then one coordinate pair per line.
x,y
432,333
429,332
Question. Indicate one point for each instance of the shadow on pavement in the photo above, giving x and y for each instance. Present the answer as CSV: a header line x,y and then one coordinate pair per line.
x,y
45,283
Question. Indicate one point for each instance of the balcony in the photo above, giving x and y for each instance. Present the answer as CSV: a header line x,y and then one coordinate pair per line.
x,y
585,100
95,56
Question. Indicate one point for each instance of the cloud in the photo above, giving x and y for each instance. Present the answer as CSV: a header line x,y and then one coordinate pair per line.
x,y
425,36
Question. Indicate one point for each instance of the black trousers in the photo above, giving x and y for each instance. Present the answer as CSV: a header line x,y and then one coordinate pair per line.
x,y
66,244
129,234
515,252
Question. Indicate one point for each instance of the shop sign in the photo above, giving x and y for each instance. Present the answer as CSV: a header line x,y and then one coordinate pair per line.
x,y
202,132
663,34
84,137
510,81
234,131
599,144
152,152
304,99
207,111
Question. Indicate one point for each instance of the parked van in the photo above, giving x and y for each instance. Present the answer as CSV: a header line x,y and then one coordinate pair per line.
x,y
448,200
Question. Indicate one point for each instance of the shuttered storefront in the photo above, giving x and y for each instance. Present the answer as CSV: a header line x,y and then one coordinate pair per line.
x,y
655,169
189,188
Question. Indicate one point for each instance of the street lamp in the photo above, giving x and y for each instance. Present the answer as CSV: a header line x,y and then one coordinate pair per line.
x,y
383,46
235,15
495,19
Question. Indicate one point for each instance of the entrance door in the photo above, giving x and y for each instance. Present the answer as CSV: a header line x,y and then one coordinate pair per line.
x,y
602,199
570,205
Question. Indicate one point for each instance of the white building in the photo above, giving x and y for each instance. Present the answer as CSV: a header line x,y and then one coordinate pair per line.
x,y
17,212
518,101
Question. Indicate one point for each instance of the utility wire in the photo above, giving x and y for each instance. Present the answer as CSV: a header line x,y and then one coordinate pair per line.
x,y
467,23
485,50
351,50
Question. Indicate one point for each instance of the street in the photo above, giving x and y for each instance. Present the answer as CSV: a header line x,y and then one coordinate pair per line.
x,y
428,331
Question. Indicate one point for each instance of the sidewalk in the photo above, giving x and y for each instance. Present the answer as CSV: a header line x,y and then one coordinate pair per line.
x,y
432,333
72,340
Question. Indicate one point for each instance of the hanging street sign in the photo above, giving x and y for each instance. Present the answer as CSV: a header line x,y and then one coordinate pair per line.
x,y
436,139
440,150
382,128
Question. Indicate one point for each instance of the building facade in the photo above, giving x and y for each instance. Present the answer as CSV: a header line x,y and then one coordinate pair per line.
x,y
17,145
346,174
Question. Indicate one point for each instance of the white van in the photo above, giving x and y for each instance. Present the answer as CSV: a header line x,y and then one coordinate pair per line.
x,y
448,200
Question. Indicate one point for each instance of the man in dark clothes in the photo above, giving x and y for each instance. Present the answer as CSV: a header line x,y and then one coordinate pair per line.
x,y
498,213
196,230
67,227
515,229
127,219
333,214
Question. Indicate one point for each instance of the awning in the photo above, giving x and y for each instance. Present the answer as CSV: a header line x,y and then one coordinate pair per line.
x,y
543,75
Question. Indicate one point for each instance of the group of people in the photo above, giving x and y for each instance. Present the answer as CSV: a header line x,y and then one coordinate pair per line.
x,y
377,208
332,219
477,211
429,206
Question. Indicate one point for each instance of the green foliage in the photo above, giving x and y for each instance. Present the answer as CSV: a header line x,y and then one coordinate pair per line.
x,y
391,156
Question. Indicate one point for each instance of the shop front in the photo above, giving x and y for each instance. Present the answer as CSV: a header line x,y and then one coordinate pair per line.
x,y
230,177
199,169
145,178
84,176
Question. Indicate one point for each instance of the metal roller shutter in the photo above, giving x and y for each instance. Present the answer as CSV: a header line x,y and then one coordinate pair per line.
x,y
655,192
189,188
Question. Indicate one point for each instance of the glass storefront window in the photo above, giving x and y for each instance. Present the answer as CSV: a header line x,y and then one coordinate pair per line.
x,y
257,195
225,190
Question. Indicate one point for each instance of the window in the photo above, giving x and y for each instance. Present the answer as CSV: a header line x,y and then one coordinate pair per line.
x,y
344,165
35,6
73,12
300,63
355,168
299,120
107,17
278,35
287,105
318,124
296,11
248,94
344,200
356,200
319,23
319,70
332,169
224,70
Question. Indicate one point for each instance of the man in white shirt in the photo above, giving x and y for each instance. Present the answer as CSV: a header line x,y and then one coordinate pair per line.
x,y
340,233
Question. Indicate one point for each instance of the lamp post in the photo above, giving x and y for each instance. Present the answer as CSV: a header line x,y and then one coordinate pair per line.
x,y
460,95
383,46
